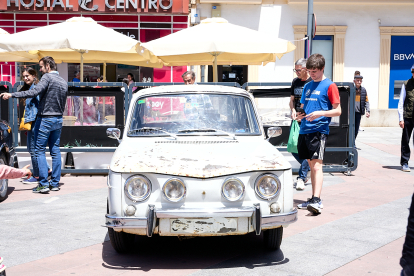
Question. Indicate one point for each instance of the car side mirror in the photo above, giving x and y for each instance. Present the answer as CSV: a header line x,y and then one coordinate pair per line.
x,y
114,133
273,132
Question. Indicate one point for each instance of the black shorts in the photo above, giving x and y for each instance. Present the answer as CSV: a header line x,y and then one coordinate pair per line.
x,y
312,145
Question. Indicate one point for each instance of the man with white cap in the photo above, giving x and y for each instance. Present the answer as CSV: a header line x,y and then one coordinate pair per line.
x,y
405,114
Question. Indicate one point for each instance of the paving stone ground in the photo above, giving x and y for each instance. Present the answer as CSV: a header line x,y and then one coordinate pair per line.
x,y
360,232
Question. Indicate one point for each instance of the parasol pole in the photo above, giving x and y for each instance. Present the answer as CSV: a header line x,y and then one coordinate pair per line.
x,y
81,66
215,73
104,71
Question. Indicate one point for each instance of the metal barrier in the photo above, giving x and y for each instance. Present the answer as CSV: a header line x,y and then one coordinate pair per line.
x,y
12,121
74,149
352,152
80,171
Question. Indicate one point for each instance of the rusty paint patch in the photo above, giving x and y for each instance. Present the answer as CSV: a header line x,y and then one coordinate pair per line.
x,y
194,160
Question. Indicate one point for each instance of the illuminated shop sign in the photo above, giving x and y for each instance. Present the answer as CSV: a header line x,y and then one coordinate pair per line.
x,y
98,5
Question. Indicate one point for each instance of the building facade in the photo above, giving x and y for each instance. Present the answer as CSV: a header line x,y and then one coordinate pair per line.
x,y
143,20
372,36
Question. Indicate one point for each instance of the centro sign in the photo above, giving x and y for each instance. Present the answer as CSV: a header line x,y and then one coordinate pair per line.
x,y
84,4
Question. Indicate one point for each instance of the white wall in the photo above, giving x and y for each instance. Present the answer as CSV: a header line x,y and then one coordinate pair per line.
x,y
362,41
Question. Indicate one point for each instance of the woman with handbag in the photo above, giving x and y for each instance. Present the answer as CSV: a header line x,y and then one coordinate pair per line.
x,y
29,117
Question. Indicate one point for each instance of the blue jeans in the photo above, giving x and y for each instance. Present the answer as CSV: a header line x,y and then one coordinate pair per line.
x,y
304,166
31,149
47,131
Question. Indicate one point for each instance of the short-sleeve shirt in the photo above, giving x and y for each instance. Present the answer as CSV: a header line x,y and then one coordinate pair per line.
x,y
318,96
296,90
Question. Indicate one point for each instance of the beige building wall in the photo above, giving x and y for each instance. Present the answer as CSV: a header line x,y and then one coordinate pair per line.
x,y
339,46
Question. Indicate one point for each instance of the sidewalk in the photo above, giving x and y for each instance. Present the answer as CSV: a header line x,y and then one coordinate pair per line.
x,y
360,231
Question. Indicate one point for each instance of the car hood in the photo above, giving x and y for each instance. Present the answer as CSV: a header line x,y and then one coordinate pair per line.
x,y
200,159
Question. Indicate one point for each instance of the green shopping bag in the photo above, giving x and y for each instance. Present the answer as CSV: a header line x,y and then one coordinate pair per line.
x,y
292,145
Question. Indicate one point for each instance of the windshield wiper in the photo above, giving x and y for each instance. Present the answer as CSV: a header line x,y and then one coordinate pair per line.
x,y
153,128
207,130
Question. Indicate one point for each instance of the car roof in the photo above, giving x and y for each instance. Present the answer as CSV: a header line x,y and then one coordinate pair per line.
x,y
168,89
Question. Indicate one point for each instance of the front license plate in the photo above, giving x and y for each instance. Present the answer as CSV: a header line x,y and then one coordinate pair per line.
x,y
205,225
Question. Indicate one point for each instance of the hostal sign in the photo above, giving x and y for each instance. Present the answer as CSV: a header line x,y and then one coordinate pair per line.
x,y
98,5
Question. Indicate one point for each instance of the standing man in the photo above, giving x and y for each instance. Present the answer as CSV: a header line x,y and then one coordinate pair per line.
x,y
320,101
407,259
361,102
295,96
405,114
188,77
52,90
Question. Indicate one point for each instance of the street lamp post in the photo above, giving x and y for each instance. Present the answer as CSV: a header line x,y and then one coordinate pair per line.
x,y
309,29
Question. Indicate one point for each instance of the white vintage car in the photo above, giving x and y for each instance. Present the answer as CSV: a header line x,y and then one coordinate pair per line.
x,y
194,161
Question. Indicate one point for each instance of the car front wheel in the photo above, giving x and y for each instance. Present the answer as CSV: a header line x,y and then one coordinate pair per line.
x,y
273,238
4,183
122,242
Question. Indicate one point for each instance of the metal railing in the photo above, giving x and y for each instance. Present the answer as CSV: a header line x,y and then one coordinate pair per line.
x,y
13,120
352,152
73,149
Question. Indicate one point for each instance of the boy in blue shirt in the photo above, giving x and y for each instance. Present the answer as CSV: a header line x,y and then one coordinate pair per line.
x,y
320,101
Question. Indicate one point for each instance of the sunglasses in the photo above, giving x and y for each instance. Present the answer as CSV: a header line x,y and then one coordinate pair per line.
x,y
298,71
412,71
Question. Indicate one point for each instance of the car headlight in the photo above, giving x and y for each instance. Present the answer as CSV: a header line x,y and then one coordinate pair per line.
x,y
267,186
174,190
137,188
232,189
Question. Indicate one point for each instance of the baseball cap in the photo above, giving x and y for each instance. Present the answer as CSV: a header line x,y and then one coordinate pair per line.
x,y
412,67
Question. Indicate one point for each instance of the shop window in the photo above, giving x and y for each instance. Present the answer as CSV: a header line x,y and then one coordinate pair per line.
x,y
122,72
149,18
146,74
229,73
89,111
156,25
91,71
180,19
323,44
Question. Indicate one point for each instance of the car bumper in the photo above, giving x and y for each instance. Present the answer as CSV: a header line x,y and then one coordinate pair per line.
x,y
258,221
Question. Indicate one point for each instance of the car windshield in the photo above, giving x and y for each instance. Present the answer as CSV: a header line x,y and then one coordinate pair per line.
x,y
193,114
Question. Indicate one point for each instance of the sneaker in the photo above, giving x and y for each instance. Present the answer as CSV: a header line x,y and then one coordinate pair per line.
x,y
315,206
304,205
31,180
300,184
54,188
2,268
405,168
41,189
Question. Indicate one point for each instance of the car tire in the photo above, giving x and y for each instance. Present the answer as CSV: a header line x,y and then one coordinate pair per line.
x,y
272,238
122,242
4,183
